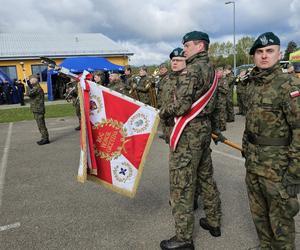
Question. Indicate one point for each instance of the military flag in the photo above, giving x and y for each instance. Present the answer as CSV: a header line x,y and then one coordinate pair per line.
x,y
116,135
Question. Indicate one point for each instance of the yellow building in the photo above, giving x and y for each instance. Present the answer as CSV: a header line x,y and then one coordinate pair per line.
x,y
27,48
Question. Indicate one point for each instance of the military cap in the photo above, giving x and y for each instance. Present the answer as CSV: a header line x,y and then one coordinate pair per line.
x,y
163,65
34,76
264,40
194,36
143,67
178,52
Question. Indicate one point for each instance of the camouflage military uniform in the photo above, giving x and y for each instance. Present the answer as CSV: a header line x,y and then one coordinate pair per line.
x,y
191,161
75,99
271,145
229,104
37,107
222,93
118,86
240,92
143,89
165,94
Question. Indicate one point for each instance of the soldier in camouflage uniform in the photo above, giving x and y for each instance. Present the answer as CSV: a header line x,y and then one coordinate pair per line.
x,y
163,94
190,164
240,92
116,84
222,92
37,106
144,85
72,95
128,78
230,82
271,146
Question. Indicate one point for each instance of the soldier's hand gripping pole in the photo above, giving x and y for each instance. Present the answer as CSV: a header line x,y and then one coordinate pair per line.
x,y
229,143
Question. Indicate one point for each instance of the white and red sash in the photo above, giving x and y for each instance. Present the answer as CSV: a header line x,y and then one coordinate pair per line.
x,y
197,107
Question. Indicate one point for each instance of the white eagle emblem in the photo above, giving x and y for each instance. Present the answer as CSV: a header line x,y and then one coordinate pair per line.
x,y
264,40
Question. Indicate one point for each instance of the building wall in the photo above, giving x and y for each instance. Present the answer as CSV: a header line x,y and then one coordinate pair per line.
x,y
29,62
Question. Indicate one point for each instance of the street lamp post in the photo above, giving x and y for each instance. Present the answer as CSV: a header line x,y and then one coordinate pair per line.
x,y
234,49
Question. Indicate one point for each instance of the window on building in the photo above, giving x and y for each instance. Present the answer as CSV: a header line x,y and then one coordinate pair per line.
x,y
10,71
41,71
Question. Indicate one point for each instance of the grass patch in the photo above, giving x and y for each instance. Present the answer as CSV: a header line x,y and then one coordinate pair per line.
x,y
22,114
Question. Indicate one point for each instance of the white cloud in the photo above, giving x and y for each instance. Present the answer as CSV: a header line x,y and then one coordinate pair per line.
x,y
146,26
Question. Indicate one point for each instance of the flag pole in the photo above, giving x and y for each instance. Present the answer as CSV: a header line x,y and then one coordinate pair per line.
x,y
229,143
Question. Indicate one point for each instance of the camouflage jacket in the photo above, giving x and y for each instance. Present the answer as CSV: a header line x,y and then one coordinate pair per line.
x,y
143,89
118,86
193,83
36,95
273,115
129,81
223,86
163,89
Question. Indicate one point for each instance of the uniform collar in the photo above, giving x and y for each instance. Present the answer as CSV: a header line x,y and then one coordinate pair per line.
x,y
265,76
201,56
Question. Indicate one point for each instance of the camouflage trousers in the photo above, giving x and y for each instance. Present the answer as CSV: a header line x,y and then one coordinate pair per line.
x,y
223,112
229,105
241,102
190,169
40,121
77,109
272,211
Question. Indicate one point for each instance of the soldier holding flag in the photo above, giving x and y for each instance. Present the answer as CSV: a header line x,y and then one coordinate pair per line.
x,y
190,157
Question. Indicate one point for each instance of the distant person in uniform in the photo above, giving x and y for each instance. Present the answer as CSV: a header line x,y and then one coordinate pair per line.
x,y
37,106
21,90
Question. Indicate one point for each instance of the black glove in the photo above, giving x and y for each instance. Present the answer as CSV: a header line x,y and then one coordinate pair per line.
x,y
220,138
163,114
292,186
169,122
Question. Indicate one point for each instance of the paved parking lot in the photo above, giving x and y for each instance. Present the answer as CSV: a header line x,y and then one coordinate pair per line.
x,y
44,207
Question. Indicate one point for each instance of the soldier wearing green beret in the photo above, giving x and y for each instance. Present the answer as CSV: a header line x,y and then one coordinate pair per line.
x,y
37,106
271,146
190,163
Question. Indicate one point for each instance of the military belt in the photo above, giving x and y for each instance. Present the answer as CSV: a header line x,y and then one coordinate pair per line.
x,y
268,141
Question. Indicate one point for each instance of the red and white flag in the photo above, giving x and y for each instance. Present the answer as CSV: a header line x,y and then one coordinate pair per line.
x,y
115,138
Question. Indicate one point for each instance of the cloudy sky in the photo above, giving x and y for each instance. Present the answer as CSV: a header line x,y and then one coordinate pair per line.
x,y
151,29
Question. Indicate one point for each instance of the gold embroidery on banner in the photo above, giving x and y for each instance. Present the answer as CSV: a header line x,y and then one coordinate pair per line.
x,y
95,105
139,123
123,173
110,139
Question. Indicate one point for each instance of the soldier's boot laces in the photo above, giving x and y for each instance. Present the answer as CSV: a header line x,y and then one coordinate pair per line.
x,y
43,142
175,244
214,231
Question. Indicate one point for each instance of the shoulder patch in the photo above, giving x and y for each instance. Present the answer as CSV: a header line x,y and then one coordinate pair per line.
x,y
295,93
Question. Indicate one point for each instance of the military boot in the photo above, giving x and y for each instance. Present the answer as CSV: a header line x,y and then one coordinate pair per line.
x,y
174,244
43,142
214,231
77,128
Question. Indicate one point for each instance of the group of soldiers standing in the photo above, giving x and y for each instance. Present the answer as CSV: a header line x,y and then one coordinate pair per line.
x,y
271,140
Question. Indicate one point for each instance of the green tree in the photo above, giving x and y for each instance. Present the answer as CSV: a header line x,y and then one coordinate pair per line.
x,y
242,48
291,47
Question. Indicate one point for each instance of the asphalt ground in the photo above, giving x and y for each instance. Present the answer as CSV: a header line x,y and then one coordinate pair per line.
x,y
42,206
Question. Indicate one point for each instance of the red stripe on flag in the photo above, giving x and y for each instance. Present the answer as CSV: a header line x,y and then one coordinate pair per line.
x,y
113,104
134,148
196,108
104,170
86,98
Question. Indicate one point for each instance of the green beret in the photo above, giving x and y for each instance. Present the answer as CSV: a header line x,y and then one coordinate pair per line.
x,y
264,40
178,52
194,36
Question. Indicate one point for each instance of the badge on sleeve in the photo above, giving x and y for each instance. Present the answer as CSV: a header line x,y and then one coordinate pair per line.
x,y
295,93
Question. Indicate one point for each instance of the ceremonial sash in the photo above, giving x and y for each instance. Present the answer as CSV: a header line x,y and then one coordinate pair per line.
x,y
197,107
